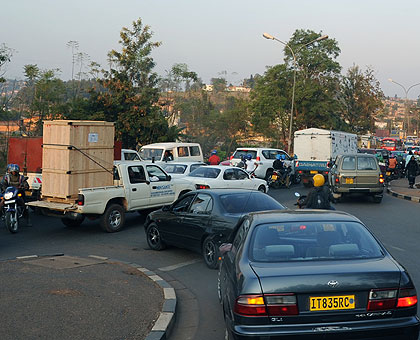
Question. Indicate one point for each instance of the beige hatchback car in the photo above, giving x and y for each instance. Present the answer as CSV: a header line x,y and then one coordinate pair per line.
x,y
357,173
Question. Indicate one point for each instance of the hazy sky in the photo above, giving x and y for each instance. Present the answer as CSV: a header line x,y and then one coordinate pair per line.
x,y
215,36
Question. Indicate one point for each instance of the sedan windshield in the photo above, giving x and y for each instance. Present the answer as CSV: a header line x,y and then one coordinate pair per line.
x,y
303,241
205,172
241,203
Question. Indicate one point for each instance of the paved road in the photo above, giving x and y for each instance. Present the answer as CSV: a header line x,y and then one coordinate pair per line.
x,y
395,222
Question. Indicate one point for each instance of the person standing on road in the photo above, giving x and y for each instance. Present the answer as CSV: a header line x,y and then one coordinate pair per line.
x,y
214,159
412,169
251,166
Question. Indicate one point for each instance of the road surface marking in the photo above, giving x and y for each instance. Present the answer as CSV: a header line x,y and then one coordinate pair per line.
x,y
396,248
179,265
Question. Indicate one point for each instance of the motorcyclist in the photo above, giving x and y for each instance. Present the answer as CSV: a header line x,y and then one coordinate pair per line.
x,y
251,166
214,159
13,178
279,165
320,196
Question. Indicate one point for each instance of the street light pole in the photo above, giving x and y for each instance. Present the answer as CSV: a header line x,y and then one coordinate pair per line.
x,y
406,103
269,36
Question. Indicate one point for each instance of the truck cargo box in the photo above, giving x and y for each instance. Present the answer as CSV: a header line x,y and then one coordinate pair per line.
x,y
76,154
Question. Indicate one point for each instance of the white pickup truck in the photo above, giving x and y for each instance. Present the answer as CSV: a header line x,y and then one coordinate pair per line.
x,y
138,186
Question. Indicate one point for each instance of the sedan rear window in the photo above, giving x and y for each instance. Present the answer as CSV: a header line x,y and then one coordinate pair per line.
x,y
303,241
174,168
242,203
205,172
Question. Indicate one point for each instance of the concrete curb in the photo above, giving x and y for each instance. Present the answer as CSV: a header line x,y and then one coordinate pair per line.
x,y
163,325
404,197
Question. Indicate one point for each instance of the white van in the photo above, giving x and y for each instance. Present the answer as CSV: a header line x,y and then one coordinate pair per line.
x,y
164,152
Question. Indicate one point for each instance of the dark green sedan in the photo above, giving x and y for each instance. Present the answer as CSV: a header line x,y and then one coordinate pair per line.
x,y
201,220
313,275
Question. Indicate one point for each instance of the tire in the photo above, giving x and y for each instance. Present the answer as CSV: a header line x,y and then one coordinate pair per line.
x,y
296,178
112,220
210,253
268,174
377,199
72,223
12,223
153,237
261,188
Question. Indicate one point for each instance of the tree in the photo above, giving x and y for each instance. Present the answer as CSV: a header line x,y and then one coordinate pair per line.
x,y
5,55
131,94
361,98
219,84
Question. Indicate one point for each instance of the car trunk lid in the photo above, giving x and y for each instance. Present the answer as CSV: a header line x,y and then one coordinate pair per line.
x,y
344,285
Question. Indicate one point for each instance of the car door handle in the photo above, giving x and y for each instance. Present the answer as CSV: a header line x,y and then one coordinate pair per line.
x,y
154,187
134,189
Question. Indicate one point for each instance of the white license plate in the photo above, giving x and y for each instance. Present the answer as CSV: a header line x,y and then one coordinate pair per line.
x,y
10,202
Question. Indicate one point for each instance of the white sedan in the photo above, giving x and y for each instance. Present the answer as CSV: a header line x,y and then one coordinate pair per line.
x,y
177,169
225,177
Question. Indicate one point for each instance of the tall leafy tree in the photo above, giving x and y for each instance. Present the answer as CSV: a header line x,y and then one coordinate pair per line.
x,y
131,93
361,99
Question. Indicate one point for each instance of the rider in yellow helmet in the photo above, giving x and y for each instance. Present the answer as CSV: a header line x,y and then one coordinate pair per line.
x,y
320,196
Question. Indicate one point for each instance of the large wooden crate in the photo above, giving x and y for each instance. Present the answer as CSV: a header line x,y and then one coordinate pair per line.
x,y
76,154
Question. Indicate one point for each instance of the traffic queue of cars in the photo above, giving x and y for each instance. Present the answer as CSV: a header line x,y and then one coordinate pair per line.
x,y
291,274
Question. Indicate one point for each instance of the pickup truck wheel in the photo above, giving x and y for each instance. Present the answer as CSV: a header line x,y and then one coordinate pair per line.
x,y
72,223
210,253
112,220
154,239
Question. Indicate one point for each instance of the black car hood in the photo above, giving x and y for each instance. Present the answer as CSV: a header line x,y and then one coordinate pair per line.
x,y
313,276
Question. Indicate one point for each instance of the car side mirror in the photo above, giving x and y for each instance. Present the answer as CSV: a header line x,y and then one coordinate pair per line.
x,y
168,177
295,157
225,248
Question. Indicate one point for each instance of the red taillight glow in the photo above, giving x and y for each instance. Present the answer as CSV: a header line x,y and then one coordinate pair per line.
x,y
381,178
80,200
300,171
19,195
337,180
251,305
407,298
258,158
272,305
201,186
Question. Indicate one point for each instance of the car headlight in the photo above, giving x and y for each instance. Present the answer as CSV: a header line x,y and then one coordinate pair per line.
x,y
8,195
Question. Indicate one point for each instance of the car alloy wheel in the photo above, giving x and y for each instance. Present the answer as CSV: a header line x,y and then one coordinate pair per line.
x,y
154,239
210,253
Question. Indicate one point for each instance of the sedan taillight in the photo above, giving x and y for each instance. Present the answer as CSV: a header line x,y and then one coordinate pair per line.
x,y
407,298
250,305
80,199
264,305
279,305
382,299
201,186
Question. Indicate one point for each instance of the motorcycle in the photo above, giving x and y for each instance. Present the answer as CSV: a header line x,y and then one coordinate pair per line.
x,y
300,200
13,208
280,179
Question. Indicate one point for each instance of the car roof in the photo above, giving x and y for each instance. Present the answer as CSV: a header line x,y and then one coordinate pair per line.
x,y
257,149
183,163
225,191
359,154
304,215
168,144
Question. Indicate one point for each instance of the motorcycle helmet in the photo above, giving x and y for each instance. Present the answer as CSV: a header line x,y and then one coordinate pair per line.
x,y
14,167
283,156
214,152
249,156
278,156
319,180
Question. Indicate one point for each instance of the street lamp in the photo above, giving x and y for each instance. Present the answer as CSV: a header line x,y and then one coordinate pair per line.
x,y
268,36
406,102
